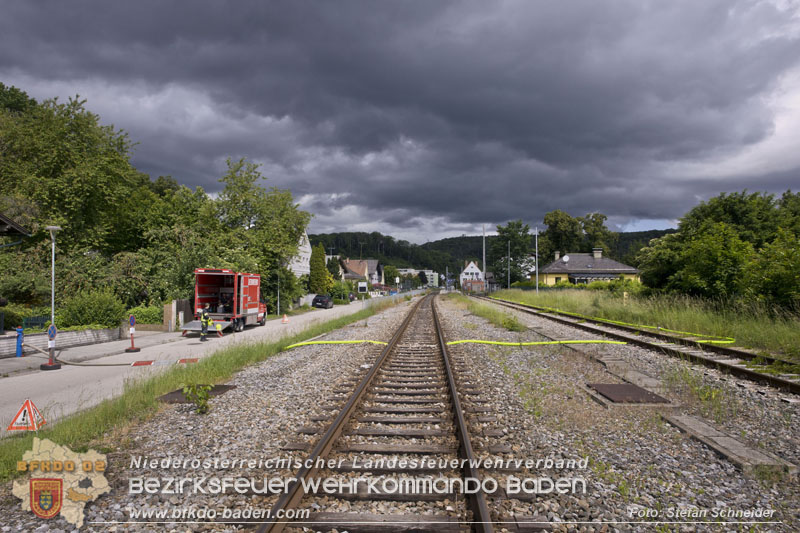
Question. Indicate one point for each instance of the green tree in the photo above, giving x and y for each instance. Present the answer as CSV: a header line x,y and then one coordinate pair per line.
x,y
260,229
333,267
564,234
15,100
320,280
753,217
660,260
596,234
789,212
712,263
390,273
774,273
515,235
76,171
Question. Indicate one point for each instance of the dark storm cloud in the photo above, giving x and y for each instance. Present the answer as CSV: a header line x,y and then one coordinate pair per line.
x,y
407,112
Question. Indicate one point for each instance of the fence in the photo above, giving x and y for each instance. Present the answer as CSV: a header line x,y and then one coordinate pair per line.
x,y
35,321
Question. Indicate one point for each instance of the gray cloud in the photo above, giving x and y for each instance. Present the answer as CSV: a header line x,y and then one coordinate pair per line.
x,y
427,115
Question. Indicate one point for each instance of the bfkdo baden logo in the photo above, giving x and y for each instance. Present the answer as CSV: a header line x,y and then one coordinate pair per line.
x,y
60,482
46,497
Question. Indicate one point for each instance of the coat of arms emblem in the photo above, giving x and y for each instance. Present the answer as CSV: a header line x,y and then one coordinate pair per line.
x,y
46,497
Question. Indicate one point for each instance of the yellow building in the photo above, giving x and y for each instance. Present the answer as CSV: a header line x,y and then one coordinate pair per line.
x,y
584,268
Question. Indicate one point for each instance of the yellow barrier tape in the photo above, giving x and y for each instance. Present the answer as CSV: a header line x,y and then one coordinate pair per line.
x,y
542,343
714,339
334,342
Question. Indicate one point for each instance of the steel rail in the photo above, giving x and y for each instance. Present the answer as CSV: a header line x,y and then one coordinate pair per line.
x,y
294,493
740,371
709,347
481,517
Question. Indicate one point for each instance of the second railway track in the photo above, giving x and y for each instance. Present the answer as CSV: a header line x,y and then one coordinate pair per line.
x,y
732,360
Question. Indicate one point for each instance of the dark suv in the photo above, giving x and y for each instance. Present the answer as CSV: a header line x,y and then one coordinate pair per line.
x,y
322,300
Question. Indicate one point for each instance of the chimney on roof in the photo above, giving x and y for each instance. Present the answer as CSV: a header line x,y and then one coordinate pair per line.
x,y
597,253
558,255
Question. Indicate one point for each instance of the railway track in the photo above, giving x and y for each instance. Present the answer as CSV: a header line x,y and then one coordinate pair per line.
x,y
741,363
416,403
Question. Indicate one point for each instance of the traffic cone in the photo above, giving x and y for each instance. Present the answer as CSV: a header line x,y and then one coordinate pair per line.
x,y
285,319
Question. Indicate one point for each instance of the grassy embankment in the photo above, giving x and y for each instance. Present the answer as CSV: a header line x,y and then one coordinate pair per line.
x,y
489,312
138,400
752,325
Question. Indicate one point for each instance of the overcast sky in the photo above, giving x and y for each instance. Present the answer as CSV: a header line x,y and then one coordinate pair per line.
x,y
425,119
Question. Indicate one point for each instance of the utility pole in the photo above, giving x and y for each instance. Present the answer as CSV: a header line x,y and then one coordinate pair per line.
x,y
360,250
484,257
537,259
508,266
331,249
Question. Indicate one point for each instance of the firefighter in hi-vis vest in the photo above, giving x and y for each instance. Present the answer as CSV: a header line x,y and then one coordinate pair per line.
x,y
205,320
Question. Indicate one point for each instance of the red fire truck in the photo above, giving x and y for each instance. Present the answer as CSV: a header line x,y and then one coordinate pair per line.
x,y
234,299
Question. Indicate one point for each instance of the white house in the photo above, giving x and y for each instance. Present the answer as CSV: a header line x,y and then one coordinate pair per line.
x,y
471,272
301,263
430,275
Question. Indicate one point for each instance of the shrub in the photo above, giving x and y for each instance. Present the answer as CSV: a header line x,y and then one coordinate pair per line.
x,y
16,313
341,301
568,285
147,315
198,395
340,290
95,307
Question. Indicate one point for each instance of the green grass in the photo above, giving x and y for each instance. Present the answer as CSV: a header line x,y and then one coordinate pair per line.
x,y
138,399
714,402
751,324
489,312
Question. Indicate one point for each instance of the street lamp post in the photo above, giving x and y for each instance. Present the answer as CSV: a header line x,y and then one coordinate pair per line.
x,y
537,260
53,230
51,364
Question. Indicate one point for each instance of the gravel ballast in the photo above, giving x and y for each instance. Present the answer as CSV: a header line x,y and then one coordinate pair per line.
x,y
638,468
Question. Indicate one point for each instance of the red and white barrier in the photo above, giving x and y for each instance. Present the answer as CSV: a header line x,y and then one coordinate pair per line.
x,y
164,362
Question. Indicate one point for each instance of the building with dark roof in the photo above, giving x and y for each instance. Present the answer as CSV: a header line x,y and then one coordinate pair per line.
x,y
363,269
585,268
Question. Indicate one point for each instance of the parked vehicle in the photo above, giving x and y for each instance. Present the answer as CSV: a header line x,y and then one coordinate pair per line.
x,y
323,301
234,298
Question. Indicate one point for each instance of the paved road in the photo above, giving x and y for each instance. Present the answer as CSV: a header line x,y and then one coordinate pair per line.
x,y
72,388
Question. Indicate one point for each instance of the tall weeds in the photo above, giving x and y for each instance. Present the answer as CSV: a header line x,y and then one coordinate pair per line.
x,y
753,324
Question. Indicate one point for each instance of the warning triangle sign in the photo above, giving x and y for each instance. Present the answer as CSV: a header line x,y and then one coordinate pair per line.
x,y
28,418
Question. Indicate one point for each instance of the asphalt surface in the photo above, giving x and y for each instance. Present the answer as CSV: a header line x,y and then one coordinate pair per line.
x,y
57,393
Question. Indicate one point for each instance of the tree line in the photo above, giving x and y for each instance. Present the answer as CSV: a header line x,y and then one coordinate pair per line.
x,y
122,231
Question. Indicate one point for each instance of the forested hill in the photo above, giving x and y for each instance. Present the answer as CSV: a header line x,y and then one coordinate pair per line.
x,y
450,252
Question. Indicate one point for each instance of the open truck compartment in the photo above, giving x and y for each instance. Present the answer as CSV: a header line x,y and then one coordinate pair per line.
x,y
234,298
